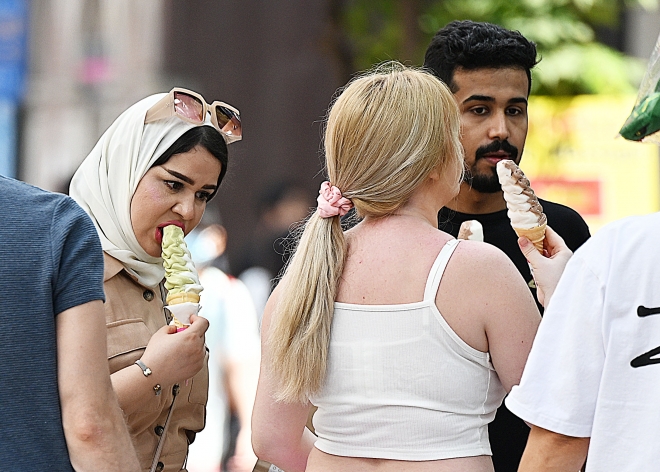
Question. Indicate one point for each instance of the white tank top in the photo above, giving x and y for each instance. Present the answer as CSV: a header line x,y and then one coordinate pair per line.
x,y
402,385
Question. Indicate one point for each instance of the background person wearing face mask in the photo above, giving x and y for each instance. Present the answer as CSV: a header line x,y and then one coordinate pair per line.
x,y
158,164
488,70
234,351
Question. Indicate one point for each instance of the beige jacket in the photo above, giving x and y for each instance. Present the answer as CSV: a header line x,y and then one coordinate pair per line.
x,y
133,314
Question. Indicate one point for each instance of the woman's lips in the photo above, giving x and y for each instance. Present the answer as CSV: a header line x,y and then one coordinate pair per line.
x,y
159,229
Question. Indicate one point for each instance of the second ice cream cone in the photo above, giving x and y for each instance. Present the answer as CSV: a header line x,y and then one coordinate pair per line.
x,y
471,230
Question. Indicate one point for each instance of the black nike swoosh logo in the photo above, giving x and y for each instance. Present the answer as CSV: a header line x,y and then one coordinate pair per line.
x,y
642,311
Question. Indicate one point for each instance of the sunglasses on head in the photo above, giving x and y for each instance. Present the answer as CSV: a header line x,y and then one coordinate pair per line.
x,y
191,107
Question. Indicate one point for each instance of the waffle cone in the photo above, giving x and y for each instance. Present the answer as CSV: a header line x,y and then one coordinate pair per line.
x,y
177,323
536,235
182,297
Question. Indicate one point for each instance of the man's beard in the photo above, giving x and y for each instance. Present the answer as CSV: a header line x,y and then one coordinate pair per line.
x,y
488,182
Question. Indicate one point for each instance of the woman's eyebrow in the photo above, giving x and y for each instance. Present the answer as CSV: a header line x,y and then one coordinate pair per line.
x,y
181,176
188,180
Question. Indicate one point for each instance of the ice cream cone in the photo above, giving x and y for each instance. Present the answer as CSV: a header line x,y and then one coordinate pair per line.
x,y
177,323
536,235
182,297
181,278
524,209
181,313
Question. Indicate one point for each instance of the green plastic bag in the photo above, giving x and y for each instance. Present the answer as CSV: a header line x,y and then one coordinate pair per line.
x,y
643,124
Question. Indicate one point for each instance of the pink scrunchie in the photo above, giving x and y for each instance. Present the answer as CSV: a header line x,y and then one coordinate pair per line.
x,y
330,201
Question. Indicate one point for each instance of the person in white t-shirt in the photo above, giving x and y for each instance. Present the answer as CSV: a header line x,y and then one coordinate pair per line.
x,y
590,384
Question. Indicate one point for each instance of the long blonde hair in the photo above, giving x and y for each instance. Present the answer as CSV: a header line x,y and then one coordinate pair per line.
x,y
385,133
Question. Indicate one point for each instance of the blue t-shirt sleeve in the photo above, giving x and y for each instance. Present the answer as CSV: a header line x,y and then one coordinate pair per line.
x,y
77,257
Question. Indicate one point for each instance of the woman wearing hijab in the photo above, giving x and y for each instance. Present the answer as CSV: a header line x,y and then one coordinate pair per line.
x,y
158,164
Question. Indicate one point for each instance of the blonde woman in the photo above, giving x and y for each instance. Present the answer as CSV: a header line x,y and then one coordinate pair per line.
x,y
406,361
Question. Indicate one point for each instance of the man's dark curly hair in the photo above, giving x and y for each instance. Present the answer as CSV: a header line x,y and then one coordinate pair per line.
x,y
471,45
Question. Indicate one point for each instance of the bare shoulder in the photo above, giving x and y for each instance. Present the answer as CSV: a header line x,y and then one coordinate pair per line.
x,y
487,303
485,272
481,257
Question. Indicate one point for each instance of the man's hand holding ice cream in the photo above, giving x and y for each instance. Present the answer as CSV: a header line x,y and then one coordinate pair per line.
x,y
547,268
544,249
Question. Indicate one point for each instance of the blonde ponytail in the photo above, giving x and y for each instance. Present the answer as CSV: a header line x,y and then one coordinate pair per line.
x,y
385,133
301,332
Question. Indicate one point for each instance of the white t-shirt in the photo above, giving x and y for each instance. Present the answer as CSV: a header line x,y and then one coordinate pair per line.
x,y
593,369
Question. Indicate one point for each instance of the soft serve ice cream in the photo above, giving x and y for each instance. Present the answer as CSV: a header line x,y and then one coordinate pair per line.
x,y
181,279
524,210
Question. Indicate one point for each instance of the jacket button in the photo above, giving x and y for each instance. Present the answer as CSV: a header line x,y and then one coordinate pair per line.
x,y
159,467
159,430
148,295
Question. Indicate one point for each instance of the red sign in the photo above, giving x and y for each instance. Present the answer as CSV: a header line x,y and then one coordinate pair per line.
x,y
584,196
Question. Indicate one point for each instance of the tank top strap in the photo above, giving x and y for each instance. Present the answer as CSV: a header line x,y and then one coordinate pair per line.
x,y
438,269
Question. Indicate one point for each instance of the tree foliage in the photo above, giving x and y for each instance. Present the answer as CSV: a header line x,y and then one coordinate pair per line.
x,y
574,61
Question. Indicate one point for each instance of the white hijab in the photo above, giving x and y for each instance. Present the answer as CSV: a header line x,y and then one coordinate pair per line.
x,y
106,180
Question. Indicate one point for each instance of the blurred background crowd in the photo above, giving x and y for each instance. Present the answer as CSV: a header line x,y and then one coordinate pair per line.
x,y
68,68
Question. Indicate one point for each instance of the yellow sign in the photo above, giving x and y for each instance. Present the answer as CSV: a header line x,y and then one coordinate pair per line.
x,y
574,156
